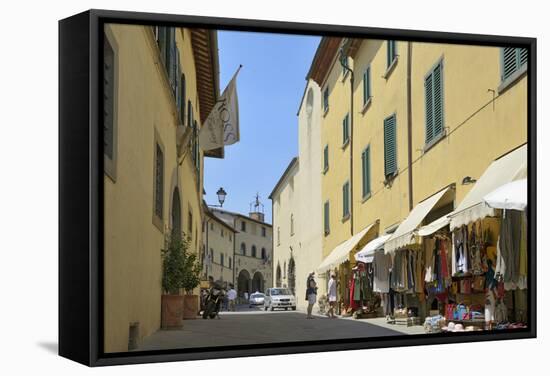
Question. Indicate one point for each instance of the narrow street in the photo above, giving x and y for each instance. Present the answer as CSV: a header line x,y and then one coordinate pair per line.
x,y
255,326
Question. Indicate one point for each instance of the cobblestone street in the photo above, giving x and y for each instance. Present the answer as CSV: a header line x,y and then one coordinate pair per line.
x,y
254,326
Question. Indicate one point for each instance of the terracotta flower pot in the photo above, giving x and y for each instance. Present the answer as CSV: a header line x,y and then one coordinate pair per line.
x,y
190,307
171,311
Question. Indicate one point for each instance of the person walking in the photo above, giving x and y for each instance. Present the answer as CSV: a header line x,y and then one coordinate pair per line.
x,y
311,294
231,296
332,284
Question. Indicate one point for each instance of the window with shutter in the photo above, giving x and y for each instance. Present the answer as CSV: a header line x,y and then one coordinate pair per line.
x,y
182,99
159,181
189,114
108,98
325,100
366,85
365,160
162,42
177,83
391,52
172,62
345,200
194,144
433,88
390,146
512,60
327,218
345,130
325,159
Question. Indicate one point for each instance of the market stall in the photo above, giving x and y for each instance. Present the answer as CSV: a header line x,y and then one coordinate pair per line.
x,y
488,258
352,276
407,292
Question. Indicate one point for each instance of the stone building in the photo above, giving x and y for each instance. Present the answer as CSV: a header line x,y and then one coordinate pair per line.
x,y
252,250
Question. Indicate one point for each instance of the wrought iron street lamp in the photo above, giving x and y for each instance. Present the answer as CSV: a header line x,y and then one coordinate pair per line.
x,y
221,197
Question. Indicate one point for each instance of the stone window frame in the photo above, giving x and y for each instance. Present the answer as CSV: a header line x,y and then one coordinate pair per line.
x,y
157,220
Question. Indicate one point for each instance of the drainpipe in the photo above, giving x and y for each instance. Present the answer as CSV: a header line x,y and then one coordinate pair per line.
x,y
409,122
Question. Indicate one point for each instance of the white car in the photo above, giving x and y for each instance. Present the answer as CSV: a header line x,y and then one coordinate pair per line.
x,y
279,297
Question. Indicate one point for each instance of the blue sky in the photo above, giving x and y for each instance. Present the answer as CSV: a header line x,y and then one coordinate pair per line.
x,y
269,86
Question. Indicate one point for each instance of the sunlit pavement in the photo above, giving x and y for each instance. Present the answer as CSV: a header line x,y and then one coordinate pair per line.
x,y
255,326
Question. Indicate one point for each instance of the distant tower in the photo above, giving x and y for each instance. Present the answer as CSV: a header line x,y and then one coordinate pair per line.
x,y
257,209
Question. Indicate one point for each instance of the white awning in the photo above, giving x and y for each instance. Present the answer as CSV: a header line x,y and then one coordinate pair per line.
x,y
366,254
405,233
511,195
508,168
341,252
434,226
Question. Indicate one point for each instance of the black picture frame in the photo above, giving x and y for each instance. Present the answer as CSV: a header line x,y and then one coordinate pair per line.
x,y
81,188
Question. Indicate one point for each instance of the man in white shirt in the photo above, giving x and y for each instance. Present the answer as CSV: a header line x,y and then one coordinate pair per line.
x,y
331,295
231,296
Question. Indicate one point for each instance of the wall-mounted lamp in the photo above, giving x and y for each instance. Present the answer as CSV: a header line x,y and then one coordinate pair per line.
x,y
468,180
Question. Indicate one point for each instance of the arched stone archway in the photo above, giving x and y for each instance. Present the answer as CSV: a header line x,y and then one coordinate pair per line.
x,y
243,283
258,282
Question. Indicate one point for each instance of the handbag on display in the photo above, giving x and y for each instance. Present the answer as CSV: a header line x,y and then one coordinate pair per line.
x,y
466,286
449,311
478,284
454,287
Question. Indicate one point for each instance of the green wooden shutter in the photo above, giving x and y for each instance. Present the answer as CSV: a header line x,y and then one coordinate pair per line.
x,y
509,62
172,61
327,217
428,88
162,43
365,159
368,170
391,52
390,146
523,56
189,114
325,158
365,88
438,99
433,85
177,83
325,99
345,129
108,98
345,199
366,85
182,99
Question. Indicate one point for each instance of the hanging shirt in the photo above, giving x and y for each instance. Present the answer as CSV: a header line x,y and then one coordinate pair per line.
x,y
332,289
381,280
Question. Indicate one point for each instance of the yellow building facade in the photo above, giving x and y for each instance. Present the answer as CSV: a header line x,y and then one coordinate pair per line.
x,y
155,102
219,245
473,112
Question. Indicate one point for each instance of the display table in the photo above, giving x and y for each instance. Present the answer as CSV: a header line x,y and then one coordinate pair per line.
x,y
480,323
